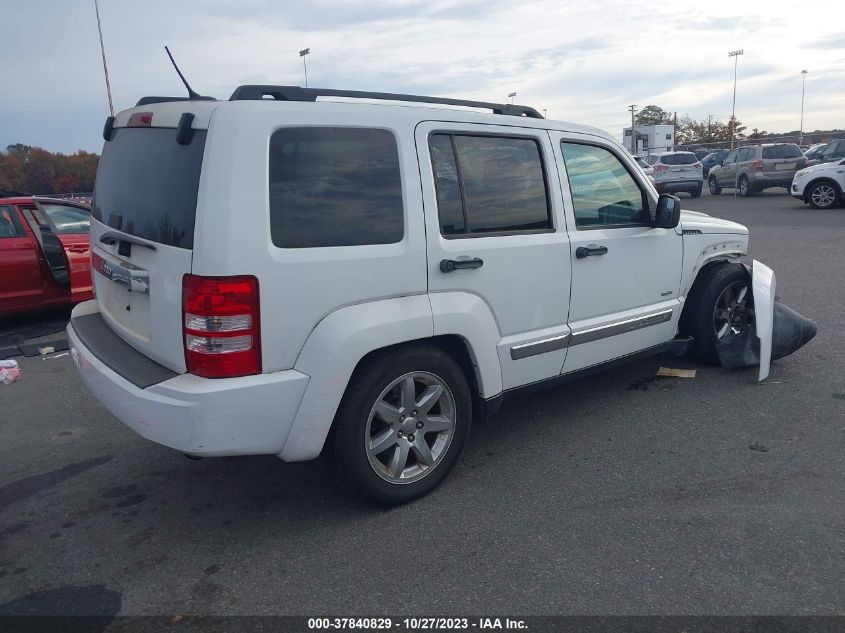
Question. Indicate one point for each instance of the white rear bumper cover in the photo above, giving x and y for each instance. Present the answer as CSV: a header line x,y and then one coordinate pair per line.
x,y
251,415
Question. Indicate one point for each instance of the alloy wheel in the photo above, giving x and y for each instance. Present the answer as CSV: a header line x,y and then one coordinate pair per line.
x,y
733,312
410,427
823,196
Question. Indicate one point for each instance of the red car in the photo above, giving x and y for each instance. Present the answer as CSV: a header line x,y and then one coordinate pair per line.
x,y
44,258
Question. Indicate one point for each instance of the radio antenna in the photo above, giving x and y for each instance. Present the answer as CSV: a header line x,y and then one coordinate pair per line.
x,y
191,93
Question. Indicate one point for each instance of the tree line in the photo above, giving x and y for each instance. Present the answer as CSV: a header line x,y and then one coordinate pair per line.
x,y
31,170
689,131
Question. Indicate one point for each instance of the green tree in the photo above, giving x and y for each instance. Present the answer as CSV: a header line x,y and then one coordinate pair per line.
x,y
653,115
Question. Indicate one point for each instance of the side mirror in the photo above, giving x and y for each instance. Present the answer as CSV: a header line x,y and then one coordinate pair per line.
x,y
668,212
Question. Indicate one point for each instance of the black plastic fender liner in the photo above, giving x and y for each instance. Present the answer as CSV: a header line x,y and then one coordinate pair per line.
x,y
791,331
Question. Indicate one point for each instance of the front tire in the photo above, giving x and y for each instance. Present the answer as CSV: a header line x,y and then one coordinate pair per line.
x,y
823,195
401,425
745,189
713,184
720,304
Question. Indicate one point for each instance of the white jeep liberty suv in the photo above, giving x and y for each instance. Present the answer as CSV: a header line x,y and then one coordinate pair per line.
x,y
296,272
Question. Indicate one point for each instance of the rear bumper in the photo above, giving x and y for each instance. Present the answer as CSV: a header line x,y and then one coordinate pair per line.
x,y
251,415
771,180
670,185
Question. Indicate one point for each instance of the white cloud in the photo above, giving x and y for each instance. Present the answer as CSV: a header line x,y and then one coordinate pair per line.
x,y
584,62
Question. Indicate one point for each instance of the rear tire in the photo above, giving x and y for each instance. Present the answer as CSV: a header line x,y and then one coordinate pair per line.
x,y
695,193
379,445
704,317
823,195
713,184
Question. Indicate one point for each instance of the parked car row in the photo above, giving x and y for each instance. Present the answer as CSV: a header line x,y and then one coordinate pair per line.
x,y
44,254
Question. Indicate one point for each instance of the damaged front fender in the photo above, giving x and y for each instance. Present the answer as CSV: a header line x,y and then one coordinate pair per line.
x,y
764,288
778,330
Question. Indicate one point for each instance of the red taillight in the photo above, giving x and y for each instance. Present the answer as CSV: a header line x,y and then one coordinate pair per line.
x,y
140,119
221,327
658,167
757,164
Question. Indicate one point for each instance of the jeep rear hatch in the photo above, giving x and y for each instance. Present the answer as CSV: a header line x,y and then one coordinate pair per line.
x,y
142,230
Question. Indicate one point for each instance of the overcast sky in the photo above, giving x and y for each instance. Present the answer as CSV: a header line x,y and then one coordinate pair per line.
x,y
583,61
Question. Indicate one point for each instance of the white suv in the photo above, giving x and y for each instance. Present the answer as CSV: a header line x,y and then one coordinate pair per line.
x,y
285,274
677,171
821,186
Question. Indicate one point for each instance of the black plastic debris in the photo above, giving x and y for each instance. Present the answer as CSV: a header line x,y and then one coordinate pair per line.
x,y
790,332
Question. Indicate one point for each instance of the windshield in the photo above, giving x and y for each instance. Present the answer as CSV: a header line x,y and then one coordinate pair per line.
x,y
147,184
679,159
782,151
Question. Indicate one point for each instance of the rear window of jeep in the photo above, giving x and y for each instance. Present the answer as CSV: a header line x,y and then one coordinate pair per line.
x,y
334,187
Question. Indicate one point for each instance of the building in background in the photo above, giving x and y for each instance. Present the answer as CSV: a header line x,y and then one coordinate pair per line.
x,y
649,139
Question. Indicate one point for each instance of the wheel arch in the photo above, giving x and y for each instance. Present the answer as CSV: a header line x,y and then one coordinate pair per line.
x,y
809,186
350,336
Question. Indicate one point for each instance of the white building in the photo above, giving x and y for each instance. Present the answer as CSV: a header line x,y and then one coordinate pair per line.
x,y
650,139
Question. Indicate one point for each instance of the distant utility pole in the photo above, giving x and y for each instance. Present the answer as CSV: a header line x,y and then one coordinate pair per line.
x,y
103,51
735,55
675,131
803,82
511,95
633,109
545,115
303,53
709,128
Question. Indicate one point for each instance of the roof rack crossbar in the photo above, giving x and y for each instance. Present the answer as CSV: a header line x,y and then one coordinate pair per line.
x,y
295,93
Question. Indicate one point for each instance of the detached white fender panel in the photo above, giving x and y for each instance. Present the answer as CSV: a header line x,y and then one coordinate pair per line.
x,y
763,287
330,355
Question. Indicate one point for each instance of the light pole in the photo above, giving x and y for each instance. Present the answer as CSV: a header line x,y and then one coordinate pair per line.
x,y
735,55
103,51
511,95
302,54
801,130
632,109
545,114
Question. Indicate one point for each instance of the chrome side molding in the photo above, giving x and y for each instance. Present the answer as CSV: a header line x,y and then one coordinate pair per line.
x,y
620,327
542,346
524,350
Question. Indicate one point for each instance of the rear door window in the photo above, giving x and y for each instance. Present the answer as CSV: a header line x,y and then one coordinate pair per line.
x,y
489,184
782,151
147,184
334,187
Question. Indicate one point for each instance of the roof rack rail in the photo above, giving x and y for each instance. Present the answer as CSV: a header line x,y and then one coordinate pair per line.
x,y
295,93
150,100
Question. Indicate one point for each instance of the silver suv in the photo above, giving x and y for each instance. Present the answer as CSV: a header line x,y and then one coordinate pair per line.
x,y
677,171
753,168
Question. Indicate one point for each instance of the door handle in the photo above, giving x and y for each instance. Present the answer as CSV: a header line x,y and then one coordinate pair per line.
x,y
590,251
448,265
77,249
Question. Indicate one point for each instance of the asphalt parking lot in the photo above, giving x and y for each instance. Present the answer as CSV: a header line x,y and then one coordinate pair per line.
x,y
616,494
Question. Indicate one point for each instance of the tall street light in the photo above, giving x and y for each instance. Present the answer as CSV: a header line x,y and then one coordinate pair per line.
x,y
801,130
511,95
735,55
302,54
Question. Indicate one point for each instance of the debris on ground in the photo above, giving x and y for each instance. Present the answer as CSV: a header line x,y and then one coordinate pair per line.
x,y
669,372
756,446
56,356
47,349
9,371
